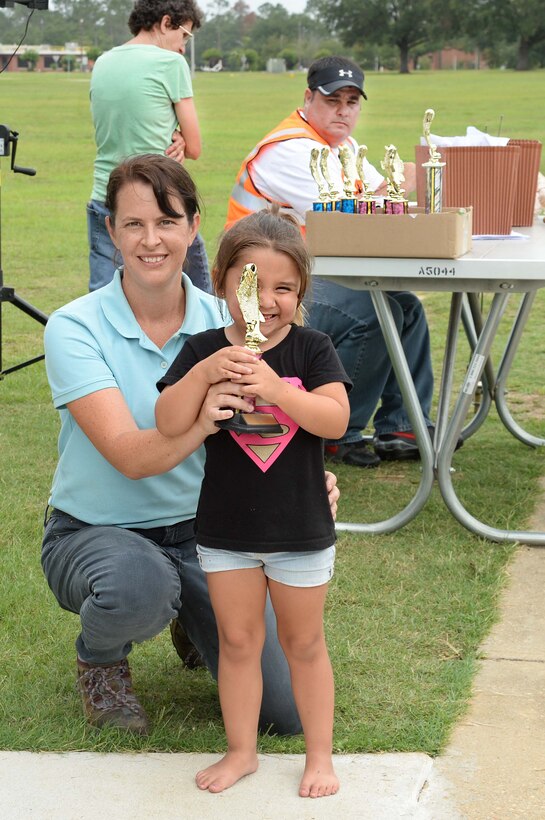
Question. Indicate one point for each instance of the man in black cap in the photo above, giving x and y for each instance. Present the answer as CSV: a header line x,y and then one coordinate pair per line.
x,y
278,170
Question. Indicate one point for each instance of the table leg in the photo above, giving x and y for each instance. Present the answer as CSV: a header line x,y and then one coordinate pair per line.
x,y
473,324
447,371
414,411
447,445
503,372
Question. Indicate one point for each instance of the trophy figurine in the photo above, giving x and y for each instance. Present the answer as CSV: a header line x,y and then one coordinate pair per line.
x,y
248,300
334,201
349,203
367,204
323,195
434,169
395,202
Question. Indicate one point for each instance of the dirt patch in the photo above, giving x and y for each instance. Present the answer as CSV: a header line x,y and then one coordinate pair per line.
x,y
526,406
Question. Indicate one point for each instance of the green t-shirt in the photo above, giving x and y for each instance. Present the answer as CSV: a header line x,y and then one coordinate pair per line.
x,y
133,92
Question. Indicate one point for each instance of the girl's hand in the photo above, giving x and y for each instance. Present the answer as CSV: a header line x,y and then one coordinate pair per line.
x,y
333,492
262,381
220,403
227,363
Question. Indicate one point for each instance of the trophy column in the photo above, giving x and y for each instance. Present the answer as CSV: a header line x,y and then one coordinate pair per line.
x,y
248,299
434,169
395,202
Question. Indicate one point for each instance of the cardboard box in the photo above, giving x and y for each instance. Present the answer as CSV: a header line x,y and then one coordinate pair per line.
x,y
426,236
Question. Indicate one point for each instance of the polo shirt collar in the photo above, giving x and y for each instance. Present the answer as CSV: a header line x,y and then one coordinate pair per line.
x,y
119,313
195,319
117,310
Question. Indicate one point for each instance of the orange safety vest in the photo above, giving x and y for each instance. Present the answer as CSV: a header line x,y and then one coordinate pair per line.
x,y
245,197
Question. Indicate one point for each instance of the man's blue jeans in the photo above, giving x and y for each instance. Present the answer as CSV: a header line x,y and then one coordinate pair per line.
x,y
349,318
104,258
127,587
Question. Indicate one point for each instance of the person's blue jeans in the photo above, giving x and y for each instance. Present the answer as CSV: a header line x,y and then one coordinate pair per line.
x,y
127,587
104,258
349,318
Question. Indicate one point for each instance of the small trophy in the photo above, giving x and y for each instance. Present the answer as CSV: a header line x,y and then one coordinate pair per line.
x,y
395,202
434,169
367,204
248,300
334,203
349,202
323,195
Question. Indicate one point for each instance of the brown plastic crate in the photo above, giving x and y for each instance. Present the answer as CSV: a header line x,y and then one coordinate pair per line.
x,y
525,196
482,176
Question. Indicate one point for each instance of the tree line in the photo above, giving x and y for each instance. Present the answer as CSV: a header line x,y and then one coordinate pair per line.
x,y
391,34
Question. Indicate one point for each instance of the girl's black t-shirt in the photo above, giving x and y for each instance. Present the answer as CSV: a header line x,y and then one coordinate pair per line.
x,y
266,492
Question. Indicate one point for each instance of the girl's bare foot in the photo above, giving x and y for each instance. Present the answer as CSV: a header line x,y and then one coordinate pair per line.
x,y
319,778
227,771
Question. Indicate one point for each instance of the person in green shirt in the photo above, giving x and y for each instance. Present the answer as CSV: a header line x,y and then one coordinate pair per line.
x,y
142,102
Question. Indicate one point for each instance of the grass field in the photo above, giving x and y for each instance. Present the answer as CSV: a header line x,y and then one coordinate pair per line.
x,y
407,611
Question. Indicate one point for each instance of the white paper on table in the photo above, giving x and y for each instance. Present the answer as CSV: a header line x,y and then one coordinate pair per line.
x,y
472,137
512,235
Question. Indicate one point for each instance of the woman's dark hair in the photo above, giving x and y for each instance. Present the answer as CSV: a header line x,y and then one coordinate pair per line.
x,y
269,228
148,12
167,178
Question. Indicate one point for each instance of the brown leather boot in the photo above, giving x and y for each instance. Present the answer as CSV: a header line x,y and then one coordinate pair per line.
x,y
188,653
108,697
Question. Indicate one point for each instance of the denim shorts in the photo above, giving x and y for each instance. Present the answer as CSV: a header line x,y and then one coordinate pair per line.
x,y
295,569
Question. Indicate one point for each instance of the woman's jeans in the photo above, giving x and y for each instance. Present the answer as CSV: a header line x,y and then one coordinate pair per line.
x,y
348,317
104,258
127,585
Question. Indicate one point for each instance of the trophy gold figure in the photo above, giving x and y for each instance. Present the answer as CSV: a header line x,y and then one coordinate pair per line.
x,y
334,201
323,193
248,300
392,165
349,202
367,204
434,169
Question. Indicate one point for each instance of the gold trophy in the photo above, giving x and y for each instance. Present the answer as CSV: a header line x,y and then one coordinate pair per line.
x,y
349,203
248,300
323,194
334,201
392,165
367,204
434,169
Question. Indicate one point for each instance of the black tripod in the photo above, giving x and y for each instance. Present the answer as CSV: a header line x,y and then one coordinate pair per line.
x,y
8,137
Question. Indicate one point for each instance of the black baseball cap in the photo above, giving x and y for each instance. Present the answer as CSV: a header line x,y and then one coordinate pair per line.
x,y
329,79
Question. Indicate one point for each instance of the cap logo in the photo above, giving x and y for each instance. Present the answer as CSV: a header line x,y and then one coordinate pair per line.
x,y
343,73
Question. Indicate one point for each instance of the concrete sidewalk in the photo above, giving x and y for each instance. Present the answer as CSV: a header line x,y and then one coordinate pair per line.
x,y
494,765
88,786
493,768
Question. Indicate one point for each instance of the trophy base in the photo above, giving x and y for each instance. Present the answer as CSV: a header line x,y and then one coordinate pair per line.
x,y
367,206
251,423
349,205
396,206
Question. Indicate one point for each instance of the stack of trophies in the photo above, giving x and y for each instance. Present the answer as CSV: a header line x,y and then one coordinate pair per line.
x,y
357,197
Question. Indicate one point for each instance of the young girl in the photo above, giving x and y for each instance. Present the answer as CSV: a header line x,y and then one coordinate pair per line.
x,y
263,521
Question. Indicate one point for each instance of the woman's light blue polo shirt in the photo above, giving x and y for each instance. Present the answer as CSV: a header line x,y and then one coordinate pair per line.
x,y
95,343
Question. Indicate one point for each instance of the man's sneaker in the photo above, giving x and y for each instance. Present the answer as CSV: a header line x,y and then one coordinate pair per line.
x,y
183,646
357,453
108,697
401,445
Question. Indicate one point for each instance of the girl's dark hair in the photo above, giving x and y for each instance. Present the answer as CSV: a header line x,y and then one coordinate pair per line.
x,y
167,177
268,228
148,12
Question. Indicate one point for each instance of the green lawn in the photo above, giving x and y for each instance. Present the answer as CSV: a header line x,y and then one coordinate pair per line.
x,y
407,611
